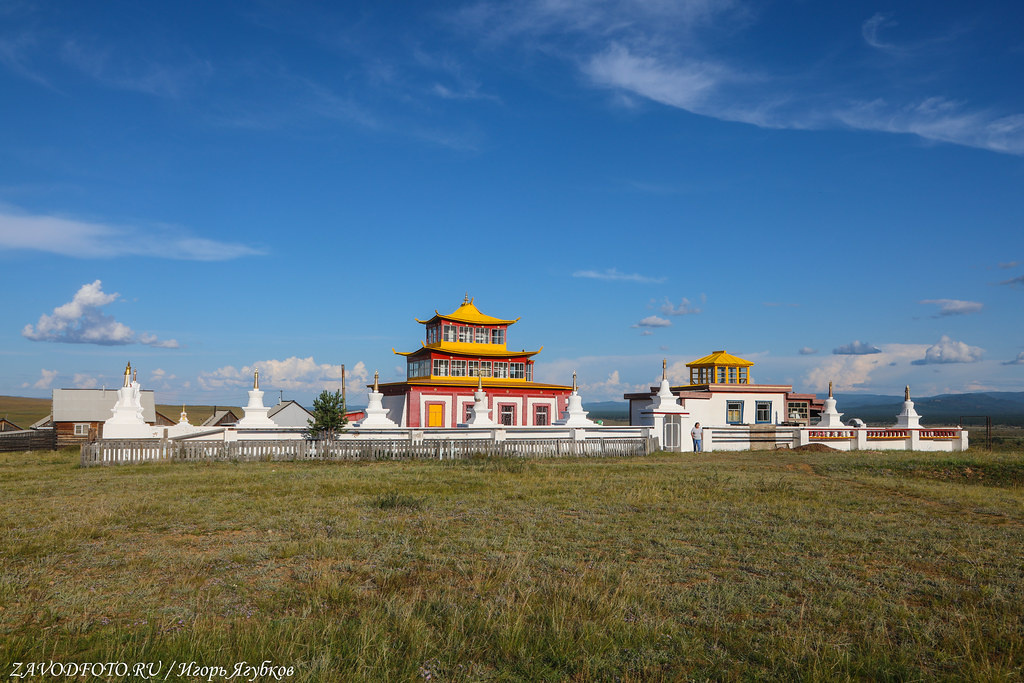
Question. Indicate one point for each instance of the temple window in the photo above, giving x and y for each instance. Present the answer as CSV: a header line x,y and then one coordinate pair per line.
x,y
540,416
734,412
481,335
721,375
466,335
732,375
763,412
449,333
798,410
743,375
498,336
529,372
418,368
501,369
440,367
469,412
517,371
508,415
458,368
479,368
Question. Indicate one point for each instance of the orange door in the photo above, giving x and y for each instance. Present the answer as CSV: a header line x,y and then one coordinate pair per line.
x,y
435,415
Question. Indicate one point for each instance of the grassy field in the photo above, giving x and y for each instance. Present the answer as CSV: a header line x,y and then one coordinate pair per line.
x,y
725,566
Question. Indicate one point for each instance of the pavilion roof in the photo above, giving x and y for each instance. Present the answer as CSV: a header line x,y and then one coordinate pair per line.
x,y
467,313
720,358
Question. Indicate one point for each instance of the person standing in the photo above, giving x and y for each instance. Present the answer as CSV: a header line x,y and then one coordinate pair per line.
x,y
697,434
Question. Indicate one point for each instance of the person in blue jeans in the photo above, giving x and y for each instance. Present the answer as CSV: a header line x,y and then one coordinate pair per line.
x,y
697,434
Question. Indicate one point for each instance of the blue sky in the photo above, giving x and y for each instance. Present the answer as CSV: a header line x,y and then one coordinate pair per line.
x,y
832,190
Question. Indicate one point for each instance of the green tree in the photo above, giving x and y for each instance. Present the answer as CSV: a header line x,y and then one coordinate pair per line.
x,y
328,415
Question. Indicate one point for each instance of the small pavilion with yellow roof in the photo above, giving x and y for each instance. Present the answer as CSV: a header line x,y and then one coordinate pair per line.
x,y
461,350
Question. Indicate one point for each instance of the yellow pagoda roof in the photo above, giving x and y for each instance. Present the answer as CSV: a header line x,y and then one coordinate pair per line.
x,y
467,313
720,358
467,349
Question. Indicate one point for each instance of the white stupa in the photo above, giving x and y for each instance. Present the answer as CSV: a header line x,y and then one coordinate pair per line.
x,y
256,413
574,415
126,420
830,419
908,419
376,413
479,413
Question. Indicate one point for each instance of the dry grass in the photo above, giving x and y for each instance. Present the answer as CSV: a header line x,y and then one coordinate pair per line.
x,y
722,566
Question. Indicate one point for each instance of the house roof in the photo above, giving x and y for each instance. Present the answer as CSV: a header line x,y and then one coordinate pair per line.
x,y
219,416
95,405
722,357
284,404
467,313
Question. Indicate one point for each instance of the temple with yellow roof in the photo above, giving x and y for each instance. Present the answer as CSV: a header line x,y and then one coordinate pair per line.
x,y
722,393
462,350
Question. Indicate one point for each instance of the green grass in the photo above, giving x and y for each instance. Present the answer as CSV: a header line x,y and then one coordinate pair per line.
x,y
763,566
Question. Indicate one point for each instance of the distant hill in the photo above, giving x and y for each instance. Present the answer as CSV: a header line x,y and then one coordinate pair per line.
x,y
1004,407
607,410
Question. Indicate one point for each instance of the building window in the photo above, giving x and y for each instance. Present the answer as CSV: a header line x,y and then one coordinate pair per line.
x,y
734,412
529,372
440,367
540,416
449,333
419,368
498,336
481,335
743,375
508,415
763,412
433,334
500,370
466,335
721,375
517,371
458,368
82,429
797,410
732,375
469,412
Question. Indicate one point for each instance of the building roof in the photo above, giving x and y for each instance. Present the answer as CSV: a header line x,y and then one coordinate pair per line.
x,y
467,313
468,349
471,382
220,417
95,405
281,406
722,357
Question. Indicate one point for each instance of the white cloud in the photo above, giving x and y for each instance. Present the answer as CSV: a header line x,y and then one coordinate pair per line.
x,y
873,26
807,351
614,275
45,380
291,373
83,239
654,321
83,381
684,308
854,371
954,306
82,321
856,348
1009,264
949,351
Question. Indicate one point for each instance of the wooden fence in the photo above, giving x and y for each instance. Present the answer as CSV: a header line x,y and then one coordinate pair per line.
x,y
28,440
121,451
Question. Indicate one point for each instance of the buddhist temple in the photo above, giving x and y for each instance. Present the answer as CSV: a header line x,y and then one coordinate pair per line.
x,y
463,350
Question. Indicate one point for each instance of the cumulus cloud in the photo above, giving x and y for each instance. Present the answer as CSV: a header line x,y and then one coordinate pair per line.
x,y
613,275
653,321
856,348
45,380
953,306
807,351
684,308
949,351
82,321
1019,360
91,240
291,373
84,381
853,371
